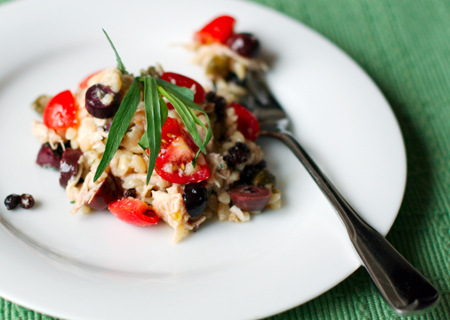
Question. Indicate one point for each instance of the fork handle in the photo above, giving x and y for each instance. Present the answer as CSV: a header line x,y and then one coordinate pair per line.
x,y
400,284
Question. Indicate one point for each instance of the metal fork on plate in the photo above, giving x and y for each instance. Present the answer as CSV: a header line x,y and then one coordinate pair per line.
x,y
402,286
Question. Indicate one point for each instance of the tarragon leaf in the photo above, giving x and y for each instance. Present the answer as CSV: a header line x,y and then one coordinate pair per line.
x,y
164,110
120,125
208,133
183,91
192,105
143,143
120,65
186,116
154,114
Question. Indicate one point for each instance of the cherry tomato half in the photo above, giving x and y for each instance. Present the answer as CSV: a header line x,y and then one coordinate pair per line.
x,y
183,81
61,112
134,211
247,122
218,30
177,152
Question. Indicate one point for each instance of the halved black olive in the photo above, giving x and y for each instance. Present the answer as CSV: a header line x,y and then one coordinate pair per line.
x,y
47,157
250,198
94,101
69,165
109,191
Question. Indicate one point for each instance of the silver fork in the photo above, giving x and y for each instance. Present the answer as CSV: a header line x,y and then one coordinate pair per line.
x,y
400,284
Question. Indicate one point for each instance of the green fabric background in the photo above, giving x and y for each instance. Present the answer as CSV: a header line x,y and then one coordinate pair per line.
x,y
404,45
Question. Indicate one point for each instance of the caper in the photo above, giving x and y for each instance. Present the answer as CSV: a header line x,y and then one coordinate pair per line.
x,y
264,178
40,103
151,71
218,66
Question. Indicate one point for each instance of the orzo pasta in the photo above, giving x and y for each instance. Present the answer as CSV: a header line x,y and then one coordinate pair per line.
x,y
228,179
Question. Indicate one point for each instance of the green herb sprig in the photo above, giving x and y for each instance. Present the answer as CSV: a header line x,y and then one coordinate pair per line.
x,y
156,112
120,65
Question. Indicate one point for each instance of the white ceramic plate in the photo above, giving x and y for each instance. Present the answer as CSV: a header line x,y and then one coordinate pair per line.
x,y
95,266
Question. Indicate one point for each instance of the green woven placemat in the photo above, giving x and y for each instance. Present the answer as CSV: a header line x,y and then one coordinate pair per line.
x,y
404,45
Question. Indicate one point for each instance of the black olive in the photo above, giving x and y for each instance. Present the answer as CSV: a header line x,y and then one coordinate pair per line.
x,y
250,198
195,198
219,106
250,171
109,191
210,96
47,157
69,165
244,44
96,107
237,154
12,201
26,201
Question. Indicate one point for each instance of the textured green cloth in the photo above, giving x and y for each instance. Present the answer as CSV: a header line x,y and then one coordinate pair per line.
x,y
404,45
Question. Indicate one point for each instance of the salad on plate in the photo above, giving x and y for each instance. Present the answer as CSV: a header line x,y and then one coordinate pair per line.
x,y
159,145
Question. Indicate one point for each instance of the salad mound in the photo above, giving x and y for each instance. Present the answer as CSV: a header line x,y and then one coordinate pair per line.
x,y
158,145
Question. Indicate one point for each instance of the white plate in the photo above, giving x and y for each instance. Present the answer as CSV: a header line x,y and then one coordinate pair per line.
x,y
95,266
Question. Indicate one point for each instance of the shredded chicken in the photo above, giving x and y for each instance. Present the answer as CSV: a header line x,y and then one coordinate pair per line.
x,y
170,207
88,190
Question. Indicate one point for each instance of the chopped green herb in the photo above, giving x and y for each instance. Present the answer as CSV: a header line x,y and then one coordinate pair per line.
x,y
156,114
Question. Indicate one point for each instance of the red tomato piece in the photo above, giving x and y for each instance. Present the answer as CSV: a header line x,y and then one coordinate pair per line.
x,y
247,122
177,152
134,211
61,112
84,83
183,81
218,30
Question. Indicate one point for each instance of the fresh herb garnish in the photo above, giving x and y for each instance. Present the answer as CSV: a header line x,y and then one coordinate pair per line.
x,y
120,125
120,65
156,114
183,91
188,103
185,115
